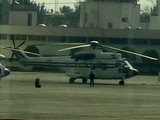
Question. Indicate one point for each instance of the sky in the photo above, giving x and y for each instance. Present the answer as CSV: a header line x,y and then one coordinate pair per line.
x,y
50,4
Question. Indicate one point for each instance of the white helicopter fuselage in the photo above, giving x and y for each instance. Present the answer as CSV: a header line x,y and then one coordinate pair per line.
x,y
103,65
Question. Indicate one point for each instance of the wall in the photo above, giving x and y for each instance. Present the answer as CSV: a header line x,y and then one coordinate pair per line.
x,y
21,18
154,23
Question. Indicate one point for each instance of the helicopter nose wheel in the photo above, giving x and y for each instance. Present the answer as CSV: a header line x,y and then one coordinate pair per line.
x,y
71,80
121,82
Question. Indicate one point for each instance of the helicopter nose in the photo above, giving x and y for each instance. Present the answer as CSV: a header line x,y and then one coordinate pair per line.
x,y
6,72
135,72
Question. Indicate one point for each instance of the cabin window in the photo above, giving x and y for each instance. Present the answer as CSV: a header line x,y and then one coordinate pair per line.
x,y
83,57
118,65
103,66
140,41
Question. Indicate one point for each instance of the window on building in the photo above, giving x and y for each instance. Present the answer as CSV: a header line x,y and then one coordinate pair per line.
x,y
85,17
118,41
29,19
37,37
3,36
140,41
77,39
54,38
43,37
125,19
20,37
155,41
31,37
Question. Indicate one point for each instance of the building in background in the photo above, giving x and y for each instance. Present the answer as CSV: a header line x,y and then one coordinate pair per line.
x,y
107,14
23,18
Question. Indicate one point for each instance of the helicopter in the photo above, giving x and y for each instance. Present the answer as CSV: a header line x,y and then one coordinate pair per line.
x,y
104,65
3,70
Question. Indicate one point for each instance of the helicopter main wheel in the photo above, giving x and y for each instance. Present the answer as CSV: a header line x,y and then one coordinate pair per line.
x,y
84,80
71,80
121,82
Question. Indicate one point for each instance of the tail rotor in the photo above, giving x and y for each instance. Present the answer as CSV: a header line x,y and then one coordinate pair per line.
x,y
14,47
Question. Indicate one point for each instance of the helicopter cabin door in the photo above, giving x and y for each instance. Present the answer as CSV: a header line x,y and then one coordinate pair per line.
x,y
119,66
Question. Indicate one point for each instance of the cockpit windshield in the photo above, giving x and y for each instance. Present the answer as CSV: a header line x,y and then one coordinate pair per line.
x,y
127,64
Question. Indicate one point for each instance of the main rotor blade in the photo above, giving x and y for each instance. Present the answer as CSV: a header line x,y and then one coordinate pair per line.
x,y
148,57
21,44
12,38
74,47
12,57
5,47
14,49
2,56
25,52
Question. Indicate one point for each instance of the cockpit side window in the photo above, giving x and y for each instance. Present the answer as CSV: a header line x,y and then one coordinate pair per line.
x,y
118,64
126,64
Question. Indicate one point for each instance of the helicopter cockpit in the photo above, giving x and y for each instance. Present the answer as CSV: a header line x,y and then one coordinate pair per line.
x,y
127,64
125,67
123,64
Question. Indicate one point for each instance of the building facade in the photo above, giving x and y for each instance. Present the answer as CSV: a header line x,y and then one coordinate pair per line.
x,y
23,18
115,15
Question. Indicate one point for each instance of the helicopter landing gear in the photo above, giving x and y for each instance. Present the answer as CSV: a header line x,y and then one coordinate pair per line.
x,y
84,80
121,82
71,80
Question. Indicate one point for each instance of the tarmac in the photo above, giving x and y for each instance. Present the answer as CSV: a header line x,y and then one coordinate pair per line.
x,y
57,99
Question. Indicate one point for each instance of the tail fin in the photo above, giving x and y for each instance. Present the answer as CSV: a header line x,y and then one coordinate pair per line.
x,y
20,54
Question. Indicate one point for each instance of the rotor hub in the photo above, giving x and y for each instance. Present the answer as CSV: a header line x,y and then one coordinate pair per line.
x,y
94,44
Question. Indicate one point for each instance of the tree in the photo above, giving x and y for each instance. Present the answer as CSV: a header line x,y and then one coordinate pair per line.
x,y
66,9
70,17
147,11
41,14
73,16
154,10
